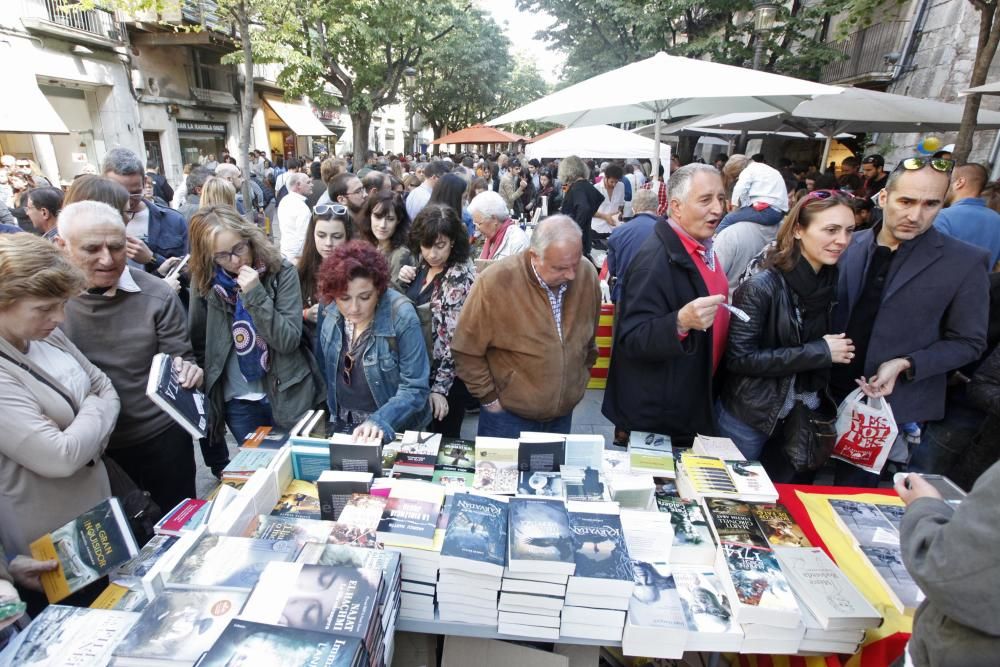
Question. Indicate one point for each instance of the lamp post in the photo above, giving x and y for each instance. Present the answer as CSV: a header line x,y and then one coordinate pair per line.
x,y
409,81
764,14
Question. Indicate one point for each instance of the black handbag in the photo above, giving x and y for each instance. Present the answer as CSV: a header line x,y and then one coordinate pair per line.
x,y
141,510
809,436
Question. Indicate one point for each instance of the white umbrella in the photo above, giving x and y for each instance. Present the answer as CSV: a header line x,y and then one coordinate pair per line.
x,y
596,141
693,126
667,87
985,89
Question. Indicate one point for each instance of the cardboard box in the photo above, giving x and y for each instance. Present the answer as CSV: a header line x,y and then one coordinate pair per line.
x,y
465,651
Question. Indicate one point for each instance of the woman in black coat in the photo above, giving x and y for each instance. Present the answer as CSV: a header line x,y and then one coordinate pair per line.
x,y
783,354
582,199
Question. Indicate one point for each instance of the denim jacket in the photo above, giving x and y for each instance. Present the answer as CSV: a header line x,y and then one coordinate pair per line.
x,y
395,362
168,234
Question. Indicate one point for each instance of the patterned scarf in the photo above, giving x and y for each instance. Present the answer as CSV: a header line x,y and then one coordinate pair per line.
x,y
491,246
251,349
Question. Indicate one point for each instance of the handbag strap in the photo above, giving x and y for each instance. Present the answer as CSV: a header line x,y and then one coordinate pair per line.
x,y
41,378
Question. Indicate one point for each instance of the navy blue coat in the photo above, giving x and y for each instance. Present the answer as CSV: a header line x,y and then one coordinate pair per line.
x,y
934,309
167,236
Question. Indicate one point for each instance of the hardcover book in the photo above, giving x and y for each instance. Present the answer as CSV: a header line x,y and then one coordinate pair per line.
x,y
827,593
185,406
539,537
603,565
734,522
300,500
411,514
865,522
545,484
476,537
779,527
496,465
221,561
335,488
63,635
249,643
541,452
179,625
762,593
87,548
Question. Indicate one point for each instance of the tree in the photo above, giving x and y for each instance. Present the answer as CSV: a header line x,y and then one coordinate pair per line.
x,y
986,48
360,50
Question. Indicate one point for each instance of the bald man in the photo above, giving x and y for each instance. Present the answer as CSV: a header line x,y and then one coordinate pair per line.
x,y
525,340
125,318
234,175
967,217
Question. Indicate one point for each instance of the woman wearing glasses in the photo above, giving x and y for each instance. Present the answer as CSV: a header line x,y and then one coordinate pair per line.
x,y
781,356
246,327
371,348
330,227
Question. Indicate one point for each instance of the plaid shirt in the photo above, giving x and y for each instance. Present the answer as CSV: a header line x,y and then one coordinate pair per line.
x,y
555,300
661,196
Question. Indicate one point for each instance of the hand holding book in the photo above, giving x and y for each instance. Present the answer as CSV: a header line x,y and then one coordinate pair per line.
x,y
25,571
190,374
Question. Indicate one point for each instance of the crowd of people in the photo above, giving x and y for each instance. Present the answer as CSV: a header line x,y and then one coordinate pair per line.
x,y
401,291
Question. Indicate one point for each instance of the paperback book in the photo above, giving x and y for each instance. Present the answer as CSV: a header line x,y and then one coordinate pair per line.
x,y
541,452
358,523
456,464
496,466
349,455
249,643
411,514
734,522
137,567
295,530
603,565
187,515
266,437
221,561
707,476
648,535
827,593
720,448
652,453
707,608
64,635
693,541
335,488
87,548
539,537
544,484
185,406
476,537
300,500
778,526
762,593
656,625
751,481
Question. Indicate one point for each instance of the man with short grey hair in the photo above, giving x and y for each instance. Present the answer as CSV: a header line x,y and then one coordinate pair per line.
x,y
671,332
195,182
294,215
525,340
155,233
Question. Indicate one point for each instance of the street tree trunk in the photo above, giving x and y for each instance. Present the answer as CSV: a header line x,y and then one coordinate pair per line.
x,y
246,108
986,48
362,121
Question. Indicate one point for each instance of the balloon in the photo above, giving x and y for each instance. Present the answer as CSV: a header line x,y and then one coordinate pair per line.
x,y
932,144
922,150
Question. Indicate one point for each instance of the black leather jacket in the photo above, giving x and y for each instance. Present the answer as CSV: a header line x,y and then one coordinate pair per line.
x,y
764,354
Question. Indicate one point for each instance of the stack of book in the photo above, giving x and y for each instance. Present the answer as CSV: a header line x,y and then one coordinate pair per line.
x,y
409,525
189,514
473,554
245,642
540,560
651,453
708,610
335,488
693,542
418,454
298,532
599,590
224,562
657,626
64,635
246,463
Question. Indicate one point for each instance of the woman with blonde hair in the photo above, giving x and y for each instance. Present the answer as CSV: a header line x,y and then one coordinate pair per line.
x,y
218,192
246,327
59,409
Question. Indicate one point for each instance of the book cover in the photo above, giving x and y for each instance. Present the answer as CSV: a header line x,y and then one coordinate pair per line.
x,y
185,406
64,635
758,579
539,536
545,484
358,523
582,484
249,643
688,521
651,452
187,515
342,555
265,437
180,625
734,522
456,463
865,522
584,450
411,514
706,607
599,549
296,530
347,455
496,466
120,598
300,499
720,448
650,441
823,588
780,529
419,449
137,567
335,488
219,561
751,480
87,548
476,533
708,476
655,601
542,452
888,564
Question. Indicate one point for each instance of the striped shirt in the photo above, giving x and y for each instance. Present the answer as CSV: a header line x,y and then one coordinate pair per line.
x,y
555,300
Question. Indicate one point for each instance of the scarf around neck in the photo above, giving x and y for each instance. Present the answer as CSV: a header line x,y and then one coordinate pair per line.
x,y
814,296
251,350
491,246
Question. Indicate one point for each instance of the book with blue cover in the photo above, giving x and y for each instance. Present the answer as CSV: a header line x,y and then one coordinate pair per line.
x,y
603,565
539,537
246,642
476,537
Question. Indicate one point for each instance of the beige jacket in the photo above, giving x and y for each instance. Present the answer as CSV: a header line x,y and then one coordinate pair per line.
x,y
50,459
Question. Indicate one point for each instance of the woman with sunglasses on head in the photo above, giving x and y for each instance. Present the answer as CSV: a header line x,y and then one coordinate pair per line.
x,y
384,224
246,327
330,227
371,348
781,353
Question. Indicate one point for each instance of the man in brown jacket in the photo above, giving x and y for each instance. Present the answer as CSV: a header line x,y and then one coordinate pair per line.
x,y
525,340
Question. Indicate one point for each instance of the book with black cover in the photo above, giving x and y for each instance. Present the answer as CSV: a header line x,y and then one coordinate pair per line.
x,y
540,452
185,406
539,536
246,643
335,488
64,635
603,565
476,537
734,522
87,548
350,456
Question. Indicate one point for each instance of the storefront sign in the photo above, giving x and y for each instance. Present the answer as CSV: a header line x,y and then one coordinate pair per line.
x,y
197,126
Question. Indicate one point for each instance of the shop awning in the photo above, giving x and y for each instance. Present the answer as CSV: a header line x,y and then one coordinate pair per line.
x,y
299,118
31,113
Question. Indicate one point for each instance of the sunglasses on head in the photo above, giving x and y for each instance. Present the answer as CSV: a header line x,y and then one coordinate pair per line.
x,y
915,163
826,194
330,209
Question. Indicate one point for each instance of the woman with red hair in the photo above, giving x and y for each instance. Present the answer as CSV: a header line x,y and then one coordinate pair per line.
x,y
371,347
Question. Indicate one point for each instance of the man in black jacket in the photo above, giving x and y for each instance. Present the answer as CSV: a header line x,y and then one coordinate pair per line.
x,y
670,333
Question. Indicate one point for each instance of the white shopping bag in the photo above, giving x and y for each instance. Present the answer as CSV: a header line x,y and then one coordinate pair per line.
x,y
866,430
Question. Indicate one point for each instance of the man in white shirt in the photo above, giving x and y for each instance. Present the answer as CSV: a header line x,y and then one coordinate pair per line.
x,y
608,213
760,194
294,214
416,200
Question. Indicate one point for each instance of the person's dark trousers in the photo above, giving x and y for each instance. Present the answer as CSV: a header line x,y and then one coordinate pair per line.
x,y
163,465
944,442
451,425
504,424
767,217
243,417
215,454
844,474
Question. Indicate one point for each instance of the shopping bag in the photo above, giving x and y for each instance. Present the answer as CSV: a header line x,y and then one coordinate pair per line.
x,y
866,430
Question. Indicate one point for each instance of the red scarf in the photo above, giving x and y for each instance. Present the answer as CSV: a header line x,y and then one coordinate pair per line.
x,y
491,246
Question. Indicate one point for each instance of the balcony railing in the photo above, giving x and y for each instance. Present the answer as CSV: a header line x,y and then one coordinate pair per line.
x,y
206,13
865,54
98,21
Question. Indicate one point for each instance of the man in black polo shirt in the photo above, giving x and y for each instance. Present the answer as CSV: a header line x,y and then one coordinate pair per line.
x,y
913,301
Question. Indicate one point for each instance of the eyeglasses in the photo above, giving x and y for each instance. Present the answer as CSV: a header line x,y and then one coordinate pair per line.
x,y
941,164
237,250
328,209
357,192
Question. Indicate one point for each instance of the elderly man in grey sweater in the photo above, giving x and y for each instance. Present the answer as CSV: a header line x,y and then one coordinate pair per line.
x,y
123,320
